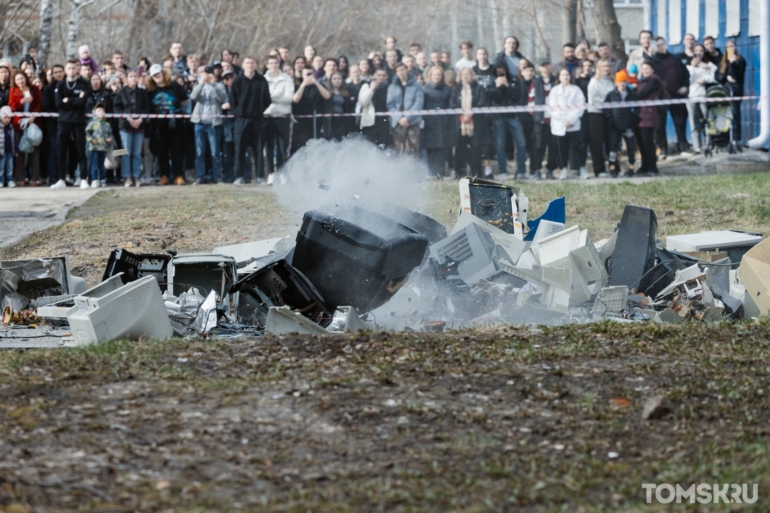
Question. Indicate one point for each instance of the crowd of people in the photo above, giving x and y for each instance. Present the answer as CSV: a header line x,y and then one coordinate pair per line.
x,y
243,119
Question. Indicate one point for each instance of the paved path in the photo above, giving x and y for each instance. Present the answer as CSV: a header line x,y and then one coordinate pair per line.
x,y
26,210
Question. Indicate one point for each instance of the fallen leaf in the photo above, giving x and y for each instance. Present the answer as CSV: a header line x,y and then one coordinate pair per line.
x,y
619,402
162,484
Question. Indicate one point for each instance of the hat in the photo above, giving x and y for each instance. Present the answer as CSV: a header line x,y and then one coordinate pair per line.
x,y
217,64
155,69
227,73
544,62
621,76
99,105
6,112
83,48
632,69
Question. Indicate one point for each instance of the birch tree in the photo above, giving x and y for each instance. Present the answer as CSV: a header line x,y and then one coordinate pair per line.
x,y
44,32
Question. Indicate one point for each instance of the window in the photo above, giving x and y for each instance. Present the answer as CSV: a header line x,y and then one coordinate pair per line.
x,y
712,18
693,18
755,21
733,19
674,22
660,30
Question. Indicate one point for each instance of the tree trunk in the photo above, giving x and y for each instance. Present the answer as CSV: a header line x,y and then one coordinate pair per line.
x,y
580,23
609,28
73,28
44,33
569,21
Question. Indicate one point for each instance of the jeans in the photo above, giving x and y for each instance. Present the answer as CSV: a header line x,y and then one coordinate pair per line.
x,y
210,133
132,163
502,126
6,167
97,165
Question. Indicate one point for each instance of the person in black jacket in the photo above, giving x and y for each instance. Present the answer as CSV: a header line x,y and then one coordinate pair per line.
x,y
167,143
50,150
510,56
228,133
579,150
468,94
621,122
435,132
676,81
732,73
251,96
341,102
131,99
507,93
98,93
537,92
70,95
5,85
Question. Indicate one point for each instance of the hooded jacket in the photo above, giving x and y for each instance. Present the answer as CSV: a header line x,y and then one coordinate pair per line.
x,y
220,97
408,97
649,88
281,94
251,96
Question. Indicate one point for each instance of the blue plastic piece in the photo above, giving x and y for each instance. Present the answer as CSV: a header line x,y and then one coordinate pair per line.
x,y
556,212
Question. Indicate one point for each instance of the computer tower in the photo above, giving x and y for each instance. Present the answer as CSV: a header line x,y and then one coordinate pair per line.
x,y
636,249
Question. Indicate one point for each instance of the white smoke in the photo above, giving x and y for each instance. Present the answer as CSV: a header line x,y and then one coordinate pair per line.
x,y
353,172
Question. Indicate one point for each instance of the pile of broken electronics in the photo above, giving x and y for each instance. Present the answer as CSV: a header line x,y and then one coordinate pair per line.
x,y
386,267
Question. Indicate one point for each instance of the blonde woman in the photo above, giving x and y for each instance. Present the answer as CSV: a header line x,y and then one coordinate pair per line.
x,y
598,88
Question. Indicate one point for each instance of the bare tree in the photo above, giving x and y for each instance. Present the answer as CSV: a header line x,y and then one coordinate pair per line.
x,y
608,28
569,20
44,32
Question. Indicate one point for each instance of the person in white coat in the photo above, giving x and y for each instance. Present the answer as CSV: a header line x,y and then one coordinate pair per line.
x,y
598,88
565,118
277,120
702,72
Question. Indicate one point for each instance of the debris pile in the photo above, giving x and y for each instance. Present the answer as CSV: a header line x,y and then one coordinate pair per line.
x,y
351,268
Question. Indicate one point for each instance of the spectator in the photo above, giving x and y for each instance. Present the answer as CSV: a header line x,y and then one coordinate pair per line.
x,y
99,140
508,93
409,61
391,60
309,53
732,73
702,73
467,61
5,85
118,60
604,52
283,52
180,61
318,67
25,97
469,95
435,132
309,96
714,53
581,142
581,51
228,56
676,81
404,94
142,65
133,100
415,49
353,83
446,59
85,58
644,52
70,95
251,97
228,127
373,98
192,61
538,94
7,146
570,61
340,103
422,63
485,76
435,60
375,61
621,122
390,44
167,97
565,122
366,70
510,56
86,72
97,93
650,88
281,88
343,66
598,88
298,65
30,58
50,148
209,96
688,42
330,67
168,64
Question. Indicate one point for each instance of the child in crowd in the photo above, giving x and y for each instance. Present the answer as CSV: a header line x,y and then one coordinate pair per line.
x,y
633,76
99,138
6,146
620,123
85,58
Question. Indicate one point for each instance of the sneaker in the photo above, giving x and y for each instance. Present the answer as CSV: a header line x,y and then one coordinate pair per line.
x,y
61,184
104,183
221,182
584,173
11,184
238,181
179,181
127,183
77,183
95,184
549,175
138,183
613,175
502,177
488,171
84,184
533,176
197,181
521,176
164,181
604,175
564,174
271,179
260,181
629,173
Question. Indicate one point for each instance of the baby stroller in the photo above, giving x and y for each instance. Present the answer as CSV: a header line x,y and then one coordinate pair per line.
x,y
718,126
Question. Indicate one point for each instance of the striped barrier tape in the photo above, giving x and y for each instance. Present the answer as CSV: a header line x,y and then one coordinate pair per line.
x,y
438,112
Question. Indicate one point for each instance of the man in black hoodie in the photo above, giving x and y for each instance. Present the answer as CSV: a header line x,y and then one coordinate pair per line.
x,y
251,96
50,150
508,92
676,81
70,97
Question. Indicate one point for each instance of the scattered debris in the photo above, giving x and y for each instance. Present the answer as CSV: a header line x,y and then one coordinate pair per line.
x,y
655,407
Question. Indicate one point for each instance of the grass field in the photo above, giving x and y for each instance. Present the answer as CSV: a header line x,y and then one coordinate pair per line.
x,y
497,419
